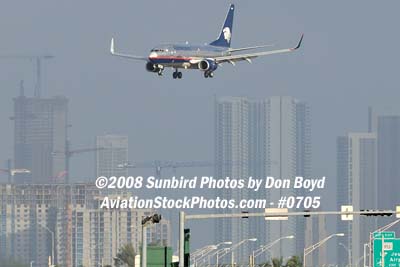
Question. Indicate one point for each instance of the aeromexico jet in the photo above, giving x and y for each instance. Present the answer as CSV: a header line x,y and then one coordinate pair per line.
x,y
205,58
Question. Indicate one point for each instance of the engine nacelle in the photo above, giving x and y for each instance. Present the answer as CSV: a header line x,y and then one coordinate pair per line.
x,y
208,65
151,67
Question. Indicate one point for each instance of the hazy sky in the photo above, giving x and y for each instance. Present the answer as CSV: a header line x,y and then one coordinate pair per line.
x,y
349,60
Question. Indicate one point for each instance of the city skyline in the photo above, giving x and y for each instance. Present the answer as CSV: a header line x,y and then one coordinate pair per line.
x,y
337,72
260,138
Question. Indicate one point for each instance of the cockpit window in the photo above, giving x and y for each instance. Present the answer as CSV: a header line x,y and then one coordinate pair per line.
x,y
157,50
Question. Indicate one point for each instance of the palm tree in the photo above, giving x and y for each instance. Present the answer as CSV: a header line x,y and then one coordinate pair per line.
x,y
294,261
277,262
126,255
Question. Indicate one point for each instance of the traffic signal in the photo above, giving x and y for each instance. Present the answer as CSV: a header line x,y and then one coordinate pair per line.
x,y
306,215
156,218
186,248
376,213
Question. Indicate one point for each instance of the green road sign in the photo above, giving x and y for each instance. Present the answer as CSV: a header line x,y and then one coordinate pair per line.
x,y
385,235
391,250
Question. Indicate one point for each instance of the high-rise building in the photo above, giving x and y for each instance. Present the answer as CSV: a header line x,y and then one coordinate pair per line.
x,y
112,152
385,123
356,186
388,131
232,152
260,138
84,234
40,135
315,231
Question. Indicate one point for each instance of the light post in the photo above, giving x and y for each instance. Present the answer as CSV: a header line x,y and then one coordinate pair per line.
x,y
348,253
204,253
210,248
359,260
226,250
263,248
52,242
317,245
366,245
237,246
156,218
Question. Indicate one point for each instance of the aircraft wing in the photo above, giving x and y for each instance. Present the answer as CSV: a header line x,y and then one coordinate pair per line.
x,y
233,58
114,53
248,48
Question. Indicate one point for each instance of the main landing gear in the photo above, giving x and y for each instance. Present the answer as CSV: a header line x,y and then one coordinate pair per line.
x,y
177,74
208,74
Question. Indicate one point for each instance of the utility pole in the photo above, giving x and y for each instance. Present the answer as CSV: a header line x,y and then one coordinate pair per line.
x,y
156,218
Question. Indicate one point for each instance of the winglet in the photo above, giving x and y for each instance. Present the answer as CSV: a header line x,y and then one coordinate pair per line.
x,y
112,46
299,44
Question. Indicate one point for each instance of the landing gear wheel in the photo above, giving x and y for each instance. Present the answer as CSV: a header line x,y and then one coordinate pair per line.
x,y
160,73
208,74
179,75
174,75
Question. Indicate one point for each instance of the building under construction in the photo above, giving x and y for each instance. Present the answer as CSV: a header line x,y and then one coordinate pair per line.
x,y
40,138
31,215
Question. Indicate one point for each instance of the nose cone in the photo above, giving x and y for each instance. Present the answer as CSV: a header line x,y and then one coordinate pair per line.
x,y
153,55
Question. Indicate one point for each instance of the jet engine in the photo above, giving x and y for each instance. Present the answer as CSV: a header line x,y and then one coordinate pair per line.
x,y
151,67
208,65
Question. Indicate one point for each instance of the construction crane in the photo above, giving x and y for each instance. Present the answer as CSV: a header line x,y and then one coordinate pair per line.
x,y
38,68
11,172
71,152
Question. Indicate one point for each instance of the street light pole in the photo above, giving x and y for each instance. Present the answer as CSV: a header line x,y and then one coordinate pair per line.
x,y
203,253
259,251
237,246
317,245
348,253
217,253
143,259
155,218
52,242
359,260
208,251
181,238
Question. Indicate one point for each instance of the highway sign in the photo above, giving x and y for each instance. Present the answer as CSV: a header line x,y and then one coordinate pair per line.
x,y
386,235
391,249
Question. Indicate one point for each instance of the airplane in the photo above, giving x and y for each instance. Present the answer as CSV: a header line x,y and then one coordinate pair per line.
x,y
205,58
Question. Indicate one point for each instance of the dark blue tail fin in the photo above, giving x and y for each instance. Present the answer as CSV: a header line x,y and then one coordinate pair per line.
x,y
225,36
